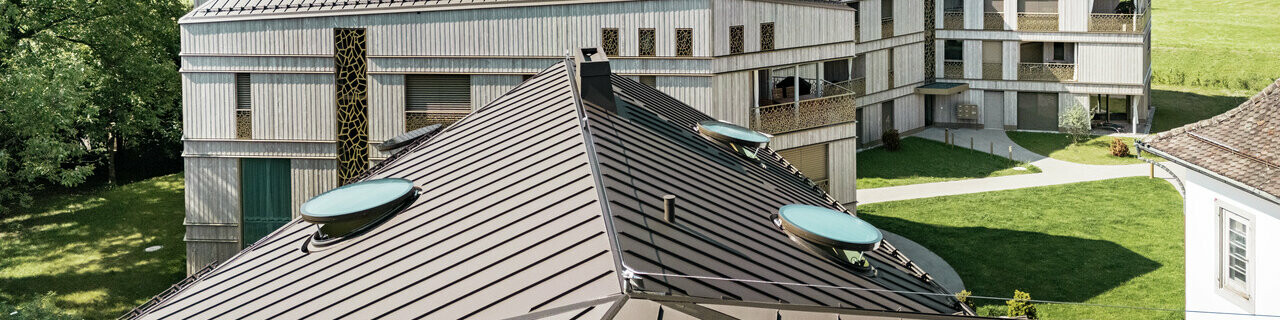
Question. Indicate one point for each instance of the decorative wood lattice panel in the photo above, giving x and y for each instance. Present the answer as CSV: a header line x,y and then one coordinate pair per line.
x,y
1117,23
993,21
930,47
787,117
1046,71
953,20
992,71
953,69
684,42
1038,21
886,28
736,44
350,62
766,36
414,120
244,124
648,42
609,41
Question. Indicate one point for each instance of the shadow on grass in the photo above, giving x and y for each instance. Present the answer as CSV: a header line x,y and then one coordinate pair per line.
x,y
995,262
1178,108
88,248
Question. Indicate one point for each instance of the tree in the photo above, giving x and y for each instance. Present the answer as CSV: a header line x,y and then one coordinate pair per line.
x,y
1075,121
80,79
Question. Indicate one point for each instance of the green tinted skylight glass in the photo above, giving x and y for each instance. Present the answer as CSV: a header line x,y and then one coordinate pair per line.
x,y
357,199
829,227
734,132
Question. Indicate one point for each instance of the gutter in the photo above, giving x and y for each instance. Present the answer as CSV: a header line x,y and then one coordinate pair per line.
x,y
1143,146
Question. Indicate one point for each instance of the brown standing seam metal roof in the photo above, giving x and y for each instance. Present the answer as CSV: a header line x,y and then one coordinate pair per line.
x,y
1242,144
512,223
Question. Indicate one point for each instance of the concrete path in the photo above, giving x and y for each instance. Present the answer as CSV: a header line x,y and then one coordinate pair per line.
x,y
1054,171
932,264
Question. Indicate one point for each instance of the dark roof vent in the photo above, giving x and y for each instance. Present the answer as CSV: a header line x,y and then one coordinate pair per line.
x,y
594,78
349,210
742,140
839,236
402,140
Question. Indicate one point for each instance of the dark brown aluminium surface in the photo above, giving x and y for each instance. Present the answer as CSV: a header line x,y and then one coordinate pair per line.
x,y
537,204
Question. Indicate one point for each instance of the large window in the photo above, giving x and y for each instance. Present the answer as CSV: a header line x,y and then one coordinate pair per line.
x,y
1235,253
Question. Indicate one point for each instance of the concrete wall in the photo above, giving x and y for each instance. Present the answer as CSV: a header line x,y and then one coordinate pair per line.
x,y
1202,248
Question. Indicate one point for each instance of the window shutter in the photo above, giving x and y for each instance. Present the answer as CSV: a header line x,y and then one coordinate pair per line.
x,y
438,92
264,197
243,96
811,160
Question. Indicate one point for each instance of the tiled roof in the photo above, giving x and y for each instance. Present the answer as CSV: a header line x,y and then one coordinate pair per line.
x,y
540,204
1242,144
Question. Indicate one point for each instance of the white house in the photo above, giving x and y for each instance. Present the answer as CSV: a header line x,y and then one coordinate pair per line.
x,y
1232,207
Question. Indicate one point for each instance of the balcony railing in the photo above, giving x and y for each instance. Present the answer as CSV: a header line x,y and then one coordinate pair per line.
x,y
953,69
886,28
855,86
993,21
806,114
1117,23
414,119
1046,71
992,70
953,20
1028,21
858,86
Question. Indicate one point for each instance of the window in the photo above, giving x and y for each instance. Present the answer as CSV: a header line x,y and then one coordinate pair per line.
x,y
650,81
609,41
647,45
886,10
953,50
1059,51
735,39
1235,252
684,42
766,36
244,107
435,99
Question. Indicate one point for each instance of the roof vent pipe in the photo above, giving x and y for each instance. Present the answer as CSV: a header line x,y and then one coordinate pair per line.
x,y
593,75
669,208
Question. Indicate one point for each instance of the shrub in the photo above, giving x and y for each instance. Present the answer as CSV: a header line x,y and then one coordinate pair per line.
x,y
963,296
892,141
1075,121
1021,306
1119,148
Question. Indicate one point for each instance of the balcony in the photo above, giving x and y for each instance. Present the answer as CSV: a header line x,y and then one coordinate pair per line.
x,y
1117,23
1062,72
855,86
1030,21
886,28
805,114
992,70
414,120
953,20
993,21
953,69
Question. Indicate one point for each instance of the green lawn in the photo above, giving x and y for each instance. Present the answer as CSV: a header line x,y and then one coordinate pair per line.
x,y
87,248
1228,44
1208,56
923,161
1115,242
1177,106
1097,150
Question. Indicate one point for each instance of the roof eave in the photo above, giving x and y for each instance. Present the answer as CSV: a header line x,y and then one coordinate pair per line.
x,y
794,307
190,18
1144,146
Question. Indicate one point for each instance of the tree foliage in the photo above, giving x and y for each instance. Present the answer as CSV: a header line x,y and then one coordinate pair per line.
x,y
80,79
1075,121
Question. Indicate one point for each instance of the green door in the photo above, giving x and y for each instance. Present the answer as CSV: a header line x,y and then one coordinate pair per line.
x,y
264,197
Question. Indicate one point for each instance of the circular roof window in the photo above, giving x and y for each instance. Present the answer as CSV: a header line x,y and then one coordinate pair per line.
x,y
836,234
731,133
352,208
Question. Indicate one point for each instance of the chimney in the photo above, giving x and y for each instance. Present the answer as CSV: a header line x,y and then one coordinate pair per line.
x,y
594,83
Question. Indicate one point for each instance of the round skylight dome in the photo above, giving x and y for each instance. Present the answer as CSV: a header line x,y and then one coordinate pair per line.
x,y
830,228
354,207
731,133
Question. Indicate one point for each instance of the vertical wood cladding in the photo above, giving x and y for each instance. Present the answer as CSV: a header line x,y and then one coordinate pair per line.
x,y
350,62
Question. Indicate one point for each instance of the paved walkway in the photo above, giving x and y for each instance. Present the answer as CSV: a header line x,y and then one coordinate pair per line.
x,y
1054,171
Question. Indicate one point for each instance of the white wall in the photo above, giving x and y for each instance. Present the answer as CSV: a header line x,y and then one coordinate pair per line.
x,y
1202,248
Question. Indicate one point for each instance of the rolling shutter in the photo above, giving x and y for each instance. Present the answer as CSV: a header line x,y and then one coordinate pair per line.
x,y
264,197
811,160
438,92
243,101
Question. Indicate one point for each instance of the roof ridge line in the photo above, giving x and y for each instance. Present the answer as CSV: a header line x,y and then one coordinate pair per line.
x,y
622,271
